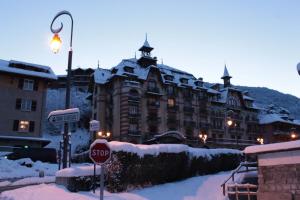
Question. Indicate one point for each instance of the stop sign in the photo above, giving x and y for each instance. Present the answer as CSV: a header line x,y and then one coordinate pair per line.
x,y
100,151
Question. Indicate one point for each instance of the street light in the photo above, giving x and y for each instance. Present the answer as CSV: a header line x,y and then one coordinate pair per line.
x,y
293,133
203,137
260,140
55,45
102,134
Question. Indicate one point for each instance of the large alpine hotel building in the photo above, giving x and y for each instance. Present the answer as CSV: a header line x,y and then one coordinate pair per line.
x,y
141,101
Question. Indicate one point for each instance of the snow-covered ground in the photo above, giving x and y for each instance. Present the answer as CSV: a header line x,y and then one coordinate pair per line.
x,y
196,188
24,168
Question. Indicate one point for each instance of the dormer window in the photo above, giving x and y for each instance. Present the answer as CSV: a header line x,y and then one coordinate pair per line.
x,y
184,80
128,69
114,70
169,77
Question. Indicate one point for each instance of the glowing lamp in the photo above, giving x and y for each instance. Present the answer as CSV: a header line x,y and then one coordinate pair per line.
x,y
229,122
55,43
293,135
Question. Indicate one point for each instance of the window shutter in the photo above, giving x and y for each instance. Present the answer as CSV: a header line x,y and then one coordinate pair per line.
x,y
21,83
16,125
35,85
33,106
18,103
31,126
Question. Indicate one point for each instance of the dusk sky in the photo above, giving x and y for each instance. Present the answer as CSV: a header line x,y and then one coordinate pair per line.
x,y
258,40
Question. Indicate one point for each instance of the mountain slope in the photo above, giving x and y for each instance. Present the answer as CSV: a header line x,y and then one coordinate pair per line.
x,y
264,96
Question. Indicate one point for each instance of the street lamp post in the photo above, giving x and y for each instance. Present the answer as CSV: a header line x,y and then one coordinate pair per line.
x,y
55,45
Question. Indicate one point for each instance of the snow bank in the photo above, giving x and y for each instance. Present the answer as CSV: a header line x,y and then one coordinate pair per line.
x,y
78,171
273,147
156,149
34,180
24,168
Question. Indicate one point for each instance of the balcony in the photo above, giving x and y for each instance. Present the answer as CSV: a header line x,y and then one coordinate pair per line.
x,y
153,91
153,119
153,105
188,123
231,141
134,133
204,126
134,98
172,108
128,83
172,120
188,109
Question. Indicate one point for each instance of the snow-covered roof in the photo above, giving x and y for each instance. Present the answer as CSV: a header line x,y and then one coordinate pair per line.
x,y
102,76
266,148
27,69
274,117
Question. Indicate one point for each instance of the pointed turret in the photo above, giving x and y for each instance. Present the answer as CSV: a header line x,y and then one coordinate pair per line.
x,y
146,59
226,77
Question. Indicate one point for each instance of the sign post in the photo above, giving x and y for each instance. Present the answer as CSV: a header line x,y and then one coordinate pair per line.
x,y
100,153
65,117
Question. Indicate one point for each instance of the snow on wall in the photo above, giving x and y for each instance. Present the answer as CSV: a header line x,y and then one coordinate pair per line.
x,y
78,171
281,146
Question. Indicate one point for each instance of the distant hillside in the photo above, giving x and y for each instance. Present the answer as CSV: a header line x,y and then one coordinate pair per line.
x,y
265,96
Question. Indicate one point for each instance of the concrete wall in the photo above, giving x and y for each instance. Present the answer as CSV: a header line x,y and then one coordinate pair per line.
x,y
278,178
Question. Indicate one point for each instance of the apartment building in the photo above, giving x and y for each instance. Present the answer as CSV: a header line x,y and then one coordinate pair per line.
x,y
23,89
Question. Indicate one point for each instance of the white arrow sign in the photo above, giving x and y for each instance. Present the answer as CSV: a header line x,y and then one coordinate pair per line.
x,y
94,125
62,116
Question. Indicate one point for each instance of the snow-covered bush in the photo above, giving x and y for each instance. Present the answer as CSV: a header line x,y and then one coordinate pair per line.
x,y
133,166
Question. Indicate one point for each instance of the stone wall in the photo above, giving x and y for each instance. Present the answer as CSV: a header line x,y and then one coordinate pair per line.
x,y
279,182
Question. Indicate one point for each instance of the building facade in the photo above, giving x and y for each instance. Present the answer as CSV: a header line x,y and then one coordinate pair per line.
x,y
22,101
141,101
80,79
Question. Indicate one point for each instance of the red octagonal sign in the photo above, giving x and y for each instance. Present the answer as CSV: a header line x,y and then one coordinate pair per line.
x,y
99,151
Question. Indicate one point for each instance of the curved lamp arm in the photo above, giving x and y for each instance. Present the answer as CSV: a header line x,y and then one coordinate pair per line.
x,y
57,30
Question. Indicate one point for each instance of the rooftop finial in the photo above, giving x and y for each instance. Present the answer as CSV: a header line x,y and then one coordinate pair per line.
x,y
146,37
162,61
135,54
98,64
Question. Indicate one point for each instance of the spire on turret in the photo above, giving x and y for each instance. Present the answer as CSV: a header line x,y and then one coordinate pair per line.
x,y
146,59
146,48
226,77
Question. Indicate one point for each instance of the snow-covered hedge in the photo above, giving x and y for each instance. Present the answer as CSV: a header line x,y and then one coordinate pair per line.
x,y
139,165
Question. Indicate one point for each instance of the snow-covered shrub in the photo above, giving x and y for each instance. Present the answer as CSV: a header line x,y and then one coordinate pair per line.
x,y
133,166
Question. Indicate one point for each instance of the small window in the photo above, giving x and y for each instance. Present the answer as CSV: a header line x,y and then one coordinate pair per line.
x,y
24,126
133,127
170,90
128,69
152,84
28,84
133,109
171,103
169,78
184,80
26,105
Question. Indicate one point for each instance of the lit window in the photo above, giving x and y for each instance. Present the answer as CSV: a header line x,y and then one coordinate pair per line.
x,y
28,84
26,105
24,126
171,103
